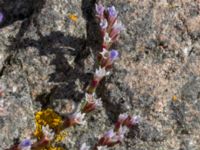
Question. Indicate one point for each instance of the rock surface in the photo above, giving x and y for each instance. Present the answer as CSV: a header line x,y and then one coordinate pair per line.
x,y
47,59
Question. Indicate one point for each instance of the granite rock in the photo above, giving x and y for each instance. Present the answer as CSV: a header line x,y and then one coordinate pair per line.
x,y
47,59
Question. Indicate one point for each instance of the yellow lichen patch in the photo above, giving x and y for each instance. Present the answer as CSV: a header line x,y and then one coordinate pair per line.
x,y
73,17
53,148
38,131
60,137
46,117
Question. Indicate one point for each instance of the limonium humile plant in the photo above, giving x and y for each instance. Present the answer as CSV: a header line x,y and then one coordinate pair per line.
x,y
110,28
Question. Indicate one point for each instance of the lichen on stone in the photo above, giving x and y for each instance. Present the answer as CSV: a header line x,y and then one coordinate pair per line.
x,y
49,118
44,118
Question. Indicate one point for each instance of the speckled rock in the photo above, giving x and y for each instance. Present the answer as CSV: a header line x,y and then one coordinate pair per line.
x,y
18,121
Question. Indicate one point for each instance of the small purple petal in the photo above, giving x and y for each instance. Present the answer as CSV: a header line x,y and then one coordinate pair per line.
x,y
1,17
25,143
114,54
112,11
99,9
109,134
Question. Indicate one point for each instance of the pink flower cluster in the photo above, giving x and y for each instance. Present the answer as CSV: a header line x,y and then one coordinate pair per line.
x,y
126,120
116,135
110,26
74,119
110,29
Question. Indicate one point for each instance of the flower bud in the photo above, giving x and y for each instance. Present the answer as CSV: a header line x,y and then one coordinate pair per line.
x,y
74,119
116,29
113,55
131,121
112,15
91,103
99,10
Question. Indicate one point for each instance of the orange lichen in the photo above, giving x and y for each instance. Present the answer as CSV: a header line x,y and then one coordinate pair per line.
x,y
174,98
73,17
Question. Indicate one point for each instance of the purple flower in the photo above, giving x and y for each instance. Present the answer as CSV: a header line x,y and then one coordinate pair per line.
x,y
113,54
25,145
112,15
112,11
1,17
99,10
109,134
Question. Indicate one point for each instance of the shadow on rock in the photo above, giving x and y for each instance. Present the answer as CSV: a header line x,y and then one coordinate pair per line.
x,y
94,39
65,74
63,48
18,10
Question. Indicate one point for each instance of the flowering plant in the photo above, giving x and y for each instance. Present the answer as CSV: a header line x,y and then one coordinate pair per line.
x,y
49,124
